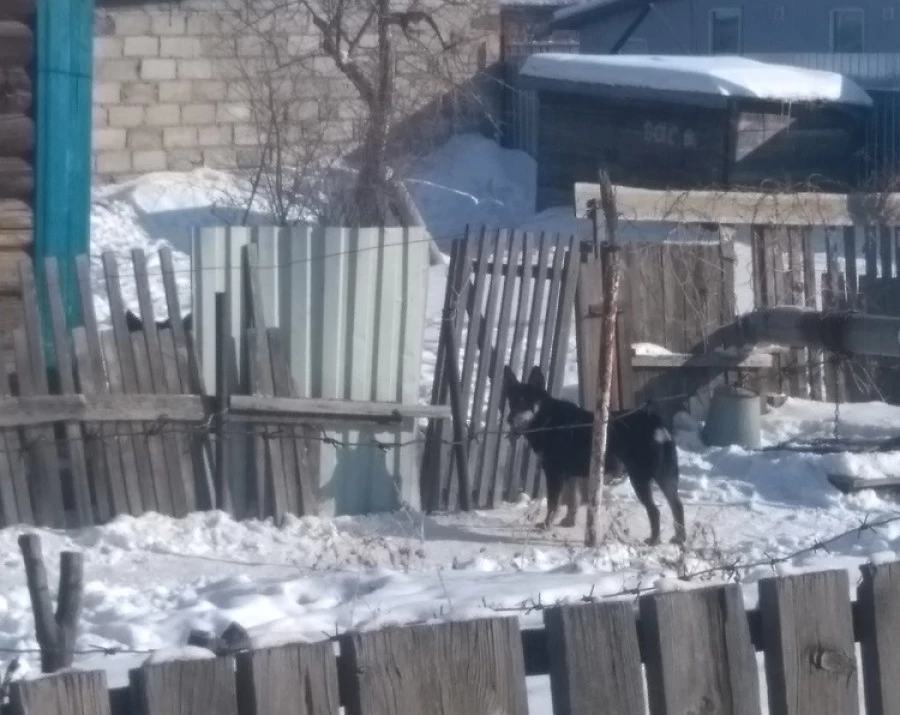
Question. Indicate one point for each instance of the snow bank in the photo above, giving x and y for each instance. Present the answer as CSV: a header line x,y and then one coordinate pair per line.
x,y
725,76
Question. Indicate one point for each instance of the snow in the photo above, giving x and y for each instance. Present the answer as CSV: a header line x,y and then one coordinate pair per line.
x,y
151,580
721,75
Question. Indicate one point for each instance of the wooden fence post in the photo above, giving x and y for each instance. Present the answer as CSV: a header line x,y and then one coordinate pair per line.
x,y
55,634
606,362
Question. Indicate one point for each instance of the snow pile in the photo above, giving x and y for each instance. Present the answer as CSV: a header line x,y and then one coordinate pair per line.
x,y
721,75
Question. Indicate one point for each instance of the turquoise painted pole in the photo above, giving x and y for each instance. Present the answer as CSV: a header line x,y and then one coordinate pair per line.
x,y
63,72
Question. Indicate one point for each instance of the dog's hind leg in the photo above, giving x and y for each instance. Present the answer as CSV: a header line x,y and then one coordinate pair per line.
x,y
668,485
555,484
571,494
644,492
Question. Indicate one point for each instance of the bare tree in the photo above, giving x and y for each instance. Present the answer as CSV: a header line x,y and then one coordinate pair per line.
x,y
363,65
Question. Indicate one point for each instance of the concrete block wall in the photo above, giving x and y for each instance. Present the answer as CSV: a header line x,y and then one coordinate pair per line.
x,y
172,91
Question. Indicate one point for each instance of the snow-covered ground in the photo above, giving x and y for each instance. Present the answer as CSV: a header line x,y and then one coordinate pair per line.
x,y
152,579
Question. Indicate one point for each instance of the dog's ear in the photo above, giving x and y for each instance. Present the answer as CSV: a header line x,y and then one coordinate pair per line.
x,y
536,377
509,377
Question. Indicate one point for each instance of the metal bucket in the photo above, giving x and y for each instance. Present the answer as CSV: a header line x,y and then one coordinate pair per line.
x,y
733,418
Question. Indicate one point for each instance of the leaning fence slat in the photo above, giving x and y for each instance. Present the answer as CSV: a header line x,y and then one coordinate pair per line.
x,y
81,490
563,320
100,446
533,481
32,371
507,454
128,384
170,481
160,453
183,490
297,679
469,667
710,624
807,634
493,421
594,659
131,475
499,242
523,476
13,478
879,609
69,693
186,687
104,453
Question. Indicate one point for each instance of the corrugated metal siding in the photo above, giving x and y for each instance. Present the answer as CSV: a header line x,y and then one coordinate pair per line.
x,y
352,303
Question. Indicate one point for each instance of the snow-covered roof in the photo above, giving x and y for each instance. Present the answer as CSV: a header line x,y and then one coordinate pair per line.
x,y
721,75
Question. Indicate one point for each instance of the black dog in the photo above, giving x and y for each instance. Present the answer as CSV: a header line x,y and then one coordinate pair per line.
x,y
559,433
135,323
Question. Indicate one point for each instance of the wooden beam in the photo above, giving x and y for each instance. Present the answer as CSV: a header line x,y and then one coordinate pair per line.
x,y
48,409
738,207
299,409
708,360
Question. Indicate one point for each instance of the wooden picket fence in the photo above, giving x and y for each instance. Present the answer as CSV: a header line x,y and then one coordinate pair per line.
x,y
697,648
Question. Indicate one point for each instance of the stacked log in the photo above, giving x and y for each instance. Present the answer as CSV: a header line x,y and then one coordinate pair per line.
x,y
17,137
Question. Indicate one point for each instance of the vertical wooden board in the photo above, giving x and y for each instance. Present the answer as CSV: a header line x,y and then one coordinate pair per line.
x,y
186,687
14,493
133,450
799,376
185,487
462,667
559,349
44,469
878,600
170,485
333,348
761,279
298,304
698,652
534,484
493,480
363,283
297,679
523,470
388,328
623,376
100,445
595,661
31,368
128,383
850,254
672,310
508,449
81,490
415,295
870,252
896,234
816,357
157,491
885,250
588,300
71,693
807,634
281,382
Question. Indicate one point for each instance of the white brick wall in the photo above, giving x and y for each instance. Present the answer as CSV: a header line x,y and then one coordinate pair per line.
x,y
171,92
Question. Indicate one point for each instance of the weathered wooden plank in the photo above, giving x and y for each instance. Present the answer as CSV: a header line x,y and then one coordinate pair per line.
x,y
152,434
492,481
131,476
508,449
595,662
81,491
261,453
171,492
807,631
186,687
305,442
816,357
751,361
101,451
588,302
500,243
534,484
75,692
124,358
44,475
710,624
850,254
296,679
523,462
34,410
745,207
327,410
464,667
559,349
281,381
878,600
799,377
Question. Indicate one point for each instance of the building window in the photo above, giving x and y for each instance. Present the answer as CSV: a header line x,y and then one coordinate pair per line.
x,y
725,31
847,30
